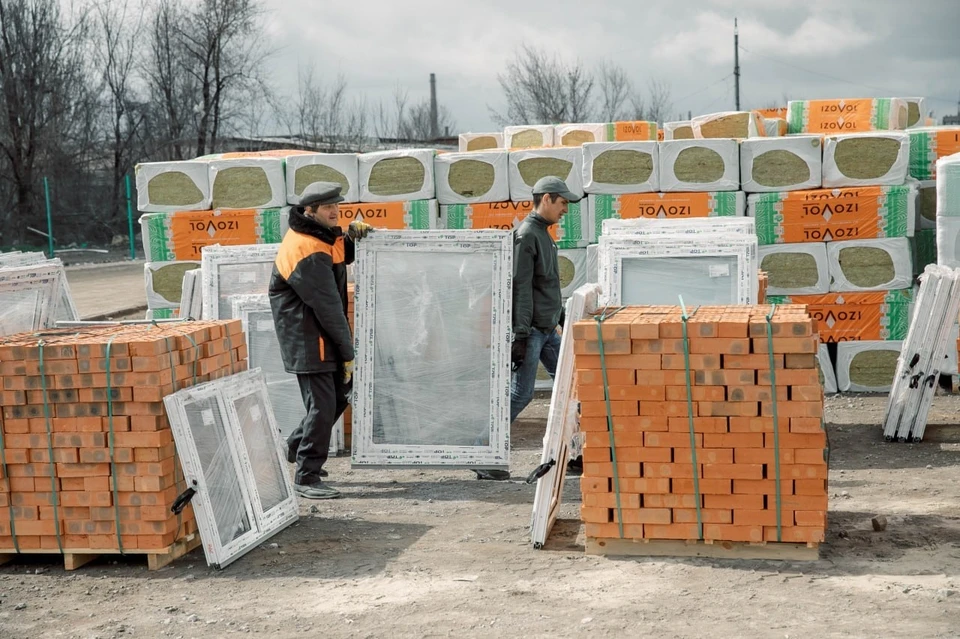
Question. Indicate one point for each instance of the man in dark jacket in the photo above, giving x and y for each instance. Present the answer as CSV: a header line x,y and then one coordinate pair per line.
x,y
537,304
308,297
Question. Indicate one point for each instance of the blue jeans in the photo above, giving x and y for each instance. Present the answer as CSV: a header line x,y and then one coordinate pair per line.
x,y
541,347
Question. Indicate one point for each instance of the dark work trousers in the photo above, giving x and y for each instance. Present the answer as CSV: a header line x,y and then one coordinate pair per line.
x,y
325,398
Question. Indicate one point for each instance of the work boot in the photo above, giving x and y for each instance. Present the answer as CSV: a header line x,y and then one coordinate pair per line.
x,y
575,466
493,475
316,490
292,457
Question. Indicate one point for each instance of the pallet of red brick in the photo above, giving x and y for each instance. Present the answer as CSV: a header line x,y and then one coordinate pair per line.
x,y
731,410
60,474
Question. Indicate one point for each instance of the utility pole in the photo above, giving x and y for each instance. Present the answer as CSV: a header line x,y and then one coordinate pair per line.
x,y
736,64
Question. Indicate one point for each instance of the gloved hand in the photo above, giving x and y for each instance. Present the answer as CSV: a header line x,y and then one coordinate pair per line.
x,y
347,371
358,230
518,352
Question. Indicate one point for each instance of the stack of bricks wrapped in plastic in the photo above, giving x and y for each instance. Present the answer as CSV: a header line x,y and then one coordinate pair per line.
x,y
681,440
87,451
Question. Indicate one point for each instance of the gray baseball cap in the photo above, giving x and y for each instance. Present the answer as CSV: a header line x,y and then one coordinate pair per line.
x,y
554,186
321,193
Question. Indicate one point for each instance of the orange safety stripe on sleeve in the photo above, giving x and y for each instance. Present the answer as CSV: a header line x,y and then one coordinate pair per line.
x,y
296,247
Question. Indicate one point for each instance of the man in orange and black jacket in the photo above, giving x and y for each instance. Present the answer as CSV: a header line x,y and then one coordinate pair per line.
x,y
308,297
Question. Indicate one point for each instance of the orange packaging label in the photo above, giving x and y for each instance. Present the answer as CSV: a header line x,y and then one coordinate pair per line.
x,y
824,215
673,205
841,116
778,112
505,216
416,214
851,317
948,143
638,130
190,231
386,215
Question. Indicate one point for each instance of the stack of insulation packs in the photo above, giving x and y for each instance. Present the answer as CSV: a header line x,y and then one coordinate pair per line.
x,y
836,213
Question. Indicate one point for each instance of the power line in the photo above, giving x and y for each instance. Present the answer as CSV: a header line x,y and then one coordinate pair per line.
x,y
835,78
709,86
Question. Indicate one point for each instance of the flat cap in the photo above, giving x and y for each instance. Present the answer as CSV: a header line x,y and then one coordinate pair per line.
x,y
554,186
321,193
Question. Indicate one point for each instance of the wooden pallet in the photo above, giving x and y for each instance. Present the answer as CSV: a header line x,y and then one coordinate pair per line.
x,y
156,559
693,548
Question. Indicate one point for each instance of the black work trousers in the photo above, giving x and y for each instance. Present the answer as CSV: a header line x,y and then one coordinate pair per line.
x,y
325,398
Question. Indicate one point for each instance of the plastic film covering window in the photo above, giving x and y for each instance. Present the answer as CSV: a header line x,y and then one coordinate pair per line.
x,y
207,425
263,352
225,437
433,342
234,270
562,427
268,474
699,280
656,269
433,315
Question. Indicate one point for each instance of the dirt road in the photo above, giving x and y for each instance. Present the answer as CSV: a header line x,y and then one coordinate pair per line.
x,y
438,554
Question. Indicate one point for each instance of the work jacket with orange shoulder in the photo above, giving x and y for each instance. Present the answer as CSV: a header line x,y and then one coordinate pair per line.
x,y
308,296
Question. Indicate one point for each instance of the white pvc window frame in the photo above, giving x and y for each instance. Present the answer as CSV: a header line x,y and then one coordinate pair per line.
x,y
615,249
213,258
66,308
498,245
562,424
243,306
263,524
44,277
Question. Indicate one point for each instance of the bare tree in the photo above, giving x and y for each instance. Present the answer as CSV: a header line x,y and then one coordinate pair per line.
x,y
655,106
417,124
116,49
43,96
326,115
543,89
616,90
171,91
222,40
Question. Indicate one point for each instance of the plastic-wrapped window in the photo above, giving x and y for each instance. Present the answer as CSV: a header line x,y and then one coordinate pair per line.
x,y
234,270
700,280
263,352
216,461
433,341
433,314
228,446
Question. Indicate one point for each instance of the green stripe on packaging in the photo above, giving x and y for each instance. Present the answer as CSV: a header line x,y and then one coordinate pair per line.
x,y
727,204
796,114
419,212
767,218
881,114
922,157
455,216
603,210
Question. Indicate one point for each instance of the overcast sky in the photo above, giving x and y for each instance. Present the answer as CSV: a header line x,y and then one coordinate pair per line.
x,y
797,48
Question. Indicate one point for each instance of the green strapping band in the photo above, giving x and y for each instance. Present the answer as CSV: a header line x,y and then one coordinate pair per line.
x,y
6,476
776,421
693,436
606,397
113,462
53,474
